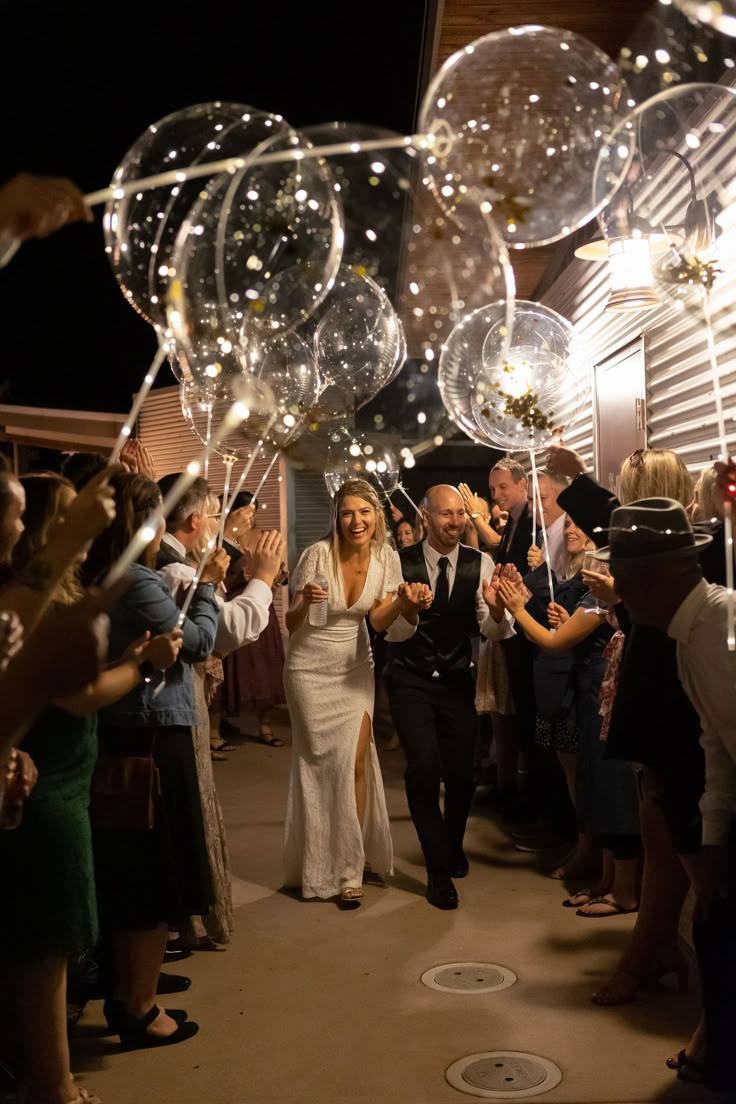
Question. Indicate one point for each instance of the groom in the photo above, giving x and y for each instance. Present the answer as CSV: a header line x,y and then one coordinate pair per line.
x,y
430,685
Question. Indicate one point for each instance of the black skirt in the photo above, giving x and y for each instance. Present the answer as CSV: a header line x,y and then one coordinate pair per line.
x,y
146,878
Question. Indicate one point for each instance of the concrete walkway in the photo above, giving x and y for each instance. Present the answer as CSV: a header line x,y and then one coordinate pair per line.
x,y
311,1005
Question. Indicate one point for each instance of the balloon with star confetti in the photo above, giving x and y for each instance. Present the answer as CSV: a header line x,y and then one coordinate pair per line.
x,y
517,119
141,228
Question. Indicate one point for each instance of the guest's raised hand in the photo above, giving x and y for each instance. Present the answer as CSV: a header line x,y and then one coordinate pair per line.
x,y
12,639
472,502
396,514
92,510
557,615
534,557
268,557
564,461
36,206
216,567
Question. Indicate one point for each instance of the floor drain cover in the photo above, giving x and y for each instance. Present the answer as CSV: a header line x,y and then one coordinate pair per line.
x,y
504,1075
468,977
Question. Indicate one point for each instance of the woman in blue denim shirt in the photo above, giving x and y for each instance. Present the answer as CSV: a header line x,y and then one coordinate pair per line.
x,y
147,881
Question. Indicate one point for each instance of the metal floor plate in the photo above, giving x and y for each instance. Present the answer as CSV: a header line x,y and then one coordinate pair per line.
x,y
468,977
504,1075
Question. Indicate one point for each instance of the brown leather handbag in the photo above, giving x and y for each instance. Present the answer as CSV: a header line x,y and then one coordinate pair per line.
x,y
124,793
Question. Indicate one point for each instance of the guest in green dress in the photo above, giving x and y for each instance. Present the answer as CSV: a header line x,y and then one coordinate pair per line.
x,y
51,913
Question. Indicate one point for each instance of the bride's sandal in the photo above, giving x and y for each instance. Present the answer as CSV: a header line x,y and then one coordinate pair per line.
x,y
350,898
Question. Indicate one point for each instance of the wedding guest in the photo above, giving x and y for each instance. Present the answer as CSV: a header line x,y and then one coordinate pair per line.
x,y
607,802
430,685
653,552
253,674
336,819
150,878
652,723
404,534
50,916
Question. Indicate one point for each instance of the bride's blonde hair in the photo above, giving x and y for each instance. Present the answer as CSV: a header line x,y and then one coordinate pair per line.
x,y
356,488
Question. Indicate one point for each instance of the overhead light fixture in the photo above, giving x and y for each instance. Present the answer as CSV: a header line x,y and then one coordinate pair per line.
x,y
630,254
632,282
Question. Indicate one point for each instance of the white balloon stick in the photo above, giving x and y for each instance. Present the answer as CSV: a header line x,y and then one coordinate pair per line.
x,y
232,164
148,382
399,487
237,413
194,584
265,475
727,510
537,495
229,461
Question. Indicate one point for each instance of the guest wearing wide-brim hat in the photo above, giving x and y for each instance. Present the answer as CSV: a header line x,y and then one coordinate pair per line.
x,y
653,553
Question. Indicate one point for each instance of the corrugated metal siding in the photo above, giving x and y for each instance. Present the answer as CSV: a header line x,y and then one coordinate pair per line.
x,y
681,411
172,444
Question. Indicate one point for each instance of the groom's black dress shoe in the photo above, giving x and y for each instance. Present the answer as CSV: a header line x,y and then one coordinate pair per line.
x,y
440,891
459,866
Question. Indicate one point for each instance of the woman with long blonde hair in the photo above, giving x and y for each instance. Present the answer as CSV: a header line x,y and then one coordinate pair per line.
x,y
336,821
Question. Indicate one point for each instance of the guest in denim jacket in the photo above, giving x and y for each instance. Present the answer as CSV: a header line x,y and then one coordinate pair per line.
x,y
148,880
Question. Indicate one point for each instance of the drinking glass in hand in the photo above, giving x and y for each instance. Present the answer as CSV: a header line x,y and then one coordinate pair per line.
x,y
590,601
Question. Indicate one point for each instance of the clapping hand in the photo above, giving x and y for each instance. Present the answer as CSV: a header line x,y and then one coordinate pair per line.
x,y
136,458
414,598
473,504
557,615
491,588
511,597
267,558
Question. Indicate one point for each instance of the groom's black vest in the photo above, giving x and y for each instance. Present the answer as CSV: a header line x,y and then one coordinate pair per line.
x,y
442,640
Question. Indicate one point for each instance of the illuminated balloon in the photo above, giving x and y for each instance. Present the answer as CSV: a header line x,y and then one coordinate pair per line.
x,y
141,229
352,456
359,345
720,14
518,394
517,120
454,264
373,187
258,251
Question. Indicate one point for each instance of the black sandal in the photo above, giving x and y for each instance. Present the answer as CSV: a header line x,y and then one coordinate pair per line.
x,y
266,736
134,1033
114,1013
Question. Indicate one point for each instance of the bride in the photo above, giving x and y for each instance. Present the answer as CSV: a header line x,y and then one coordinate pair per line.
x,y
336,819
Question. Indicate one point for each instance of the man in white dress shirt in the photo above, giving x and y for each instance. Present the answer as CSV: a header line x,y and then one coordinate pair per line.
x,y
242,619
553,518
653,554
430,685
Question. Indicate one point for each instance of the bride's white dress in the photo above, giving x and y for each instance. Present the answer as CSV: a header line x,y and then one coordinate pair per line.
x,y
329,686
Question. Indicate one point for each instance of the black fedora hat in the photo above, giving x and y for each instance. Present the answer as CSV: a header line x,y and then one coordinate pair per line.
x,y
651,529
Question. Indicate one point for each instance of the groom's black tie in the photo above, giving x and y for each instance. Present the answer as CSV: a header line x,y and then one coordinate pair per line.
x,y
442,589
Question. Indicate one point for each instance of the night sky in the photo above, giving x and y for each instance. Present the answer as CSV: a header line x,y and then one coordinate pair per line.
x,y
79,82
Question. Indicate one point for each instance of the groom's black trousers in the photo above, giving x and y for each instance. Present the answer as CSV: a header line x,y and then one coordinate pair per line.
x,y
436,723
